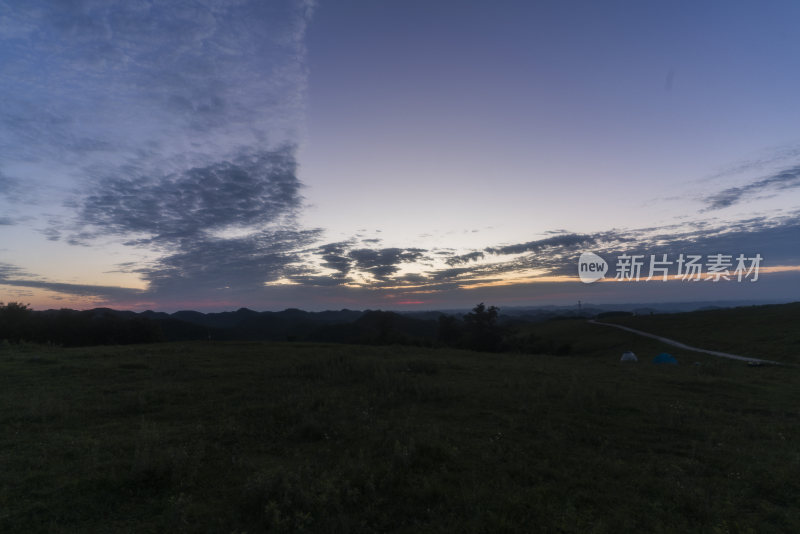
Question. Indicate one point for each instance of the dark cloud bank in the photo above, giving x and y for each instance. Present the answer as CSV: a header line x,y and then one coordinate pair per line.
x,y
203,268
224,229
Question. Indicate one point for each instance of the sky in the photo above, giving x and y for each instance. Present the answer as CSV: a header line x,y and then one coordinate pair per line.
x,y
358,154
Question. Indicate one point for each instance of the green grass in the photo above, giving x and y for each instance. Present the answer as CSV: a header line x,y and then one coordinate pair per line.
x,y
250,437
768,332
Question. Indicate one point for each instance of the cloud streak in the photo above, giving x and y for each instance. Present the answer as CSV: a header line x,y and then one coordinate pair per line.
x,y
257,267
555,242
780,181
555,255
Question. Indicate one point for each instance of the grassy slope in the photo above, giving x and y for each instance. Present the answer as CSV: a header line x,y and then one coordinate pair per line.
x,y
249,437
771,332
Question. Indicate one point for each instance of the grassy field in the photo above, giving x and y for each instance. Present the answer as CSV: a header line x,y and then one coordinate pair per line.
x,y
769,332
251,437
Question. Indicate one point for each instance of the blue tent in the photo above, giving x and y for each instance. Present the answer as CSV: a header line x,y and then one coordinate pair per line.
x,y
665,358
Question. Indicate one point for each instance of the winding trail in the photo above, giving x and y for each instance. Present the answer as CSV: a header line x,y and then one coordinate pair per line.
x,y
687,347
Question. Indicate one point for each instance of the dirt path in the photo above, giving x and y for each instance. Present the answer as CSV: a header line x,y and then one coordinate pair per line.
x,y
687,347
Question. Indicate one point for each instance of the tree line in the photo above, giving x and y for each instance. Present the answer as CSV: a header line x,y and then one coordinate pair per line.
x,y
481,329
70,328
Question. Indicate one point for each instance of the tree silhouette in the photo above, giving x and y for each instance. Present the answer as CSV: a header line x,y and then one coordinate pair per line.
x,y
14,321
483,332
449,330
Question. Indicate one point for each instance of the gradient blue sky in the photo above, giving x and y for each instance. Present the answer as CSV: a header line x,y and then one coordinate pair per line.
x,y
331,154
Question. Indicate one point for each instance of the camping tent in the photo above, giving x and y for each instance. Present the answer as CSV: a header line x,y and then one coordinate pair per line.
x,y
665,358
628,357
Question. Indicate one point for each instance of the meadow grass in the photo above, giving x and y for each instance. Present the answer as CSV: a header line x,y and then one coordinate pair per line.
x,y
255,437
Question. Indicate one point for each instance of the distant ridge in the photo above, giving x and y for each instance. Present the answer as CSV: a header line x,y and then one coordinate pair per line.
x,y
424,328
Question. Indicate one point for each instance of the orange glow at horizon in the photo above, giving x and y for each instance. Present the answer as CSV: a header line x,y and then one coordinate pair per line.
x,y
48,299
565,278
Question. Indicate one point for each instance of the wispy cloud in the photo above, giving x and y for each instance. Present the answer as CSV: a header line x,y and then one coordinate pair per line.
x,y
780,181
7,184
94,88
102,293
12,275
760,163
558,241
8,271
12,192
174,126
